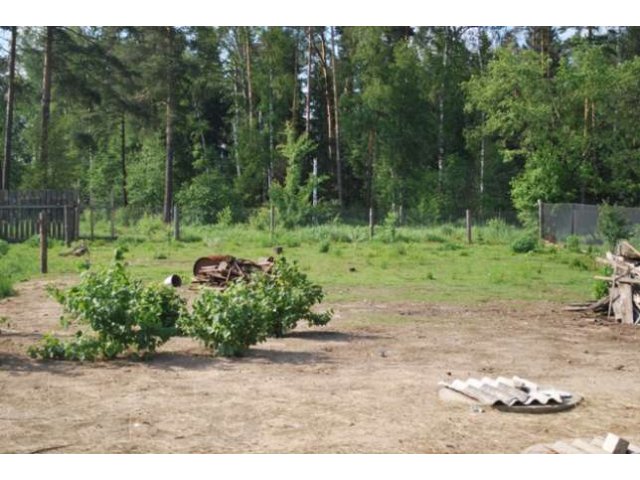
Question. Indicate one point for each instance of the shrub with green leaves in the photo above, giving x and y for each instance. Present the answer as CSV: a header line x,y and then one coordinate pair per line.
x,y
524,244
612,226
228,321
290,295
246,313
4,247
120,314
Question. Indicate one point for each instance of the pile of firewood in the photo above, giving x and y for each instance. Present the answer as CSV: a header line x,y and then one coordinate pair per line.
x,y
219,270
623,300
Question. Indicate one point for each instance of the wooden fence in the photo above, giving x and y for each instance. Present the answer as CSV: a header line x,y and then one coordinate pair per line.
x,y
19,212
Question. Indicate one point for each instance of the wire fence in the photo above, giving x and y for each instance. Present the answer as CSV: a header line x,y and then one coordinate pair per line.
x,y
557,221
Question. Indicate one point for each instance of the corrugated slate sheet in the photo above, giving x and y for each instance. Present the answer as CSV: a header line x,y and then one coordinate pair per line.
x,y
509,392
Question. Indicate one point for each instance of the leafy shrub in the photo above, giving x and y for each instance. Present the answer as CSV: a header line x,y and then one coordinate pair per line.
x,y
120,313
206,197
246,313
324,247
290,296
4,247
572,243
600,287
6,287
152,227
225,217
612,225
228,321
525,243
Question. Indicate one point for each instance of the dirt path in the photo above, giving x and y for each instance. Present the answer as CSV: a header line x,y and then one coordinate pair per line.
x,y
365,383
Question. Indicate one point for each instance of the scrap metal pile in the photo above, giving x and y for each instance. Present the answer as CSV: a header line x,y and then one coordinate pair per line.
x,y
623,300
219,270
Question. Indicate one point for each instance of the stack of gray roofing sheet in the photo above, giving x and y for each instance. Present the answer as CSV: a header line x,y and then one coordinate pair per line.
x,y
505,391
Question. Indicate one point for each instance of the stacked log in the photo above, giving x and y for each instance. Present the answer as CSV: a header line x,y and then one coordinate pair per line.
x,y
623,301
219,270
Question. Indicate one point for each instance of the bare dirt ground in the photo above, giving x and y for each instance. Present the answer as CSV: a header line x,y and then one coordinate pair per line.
x,y
367,382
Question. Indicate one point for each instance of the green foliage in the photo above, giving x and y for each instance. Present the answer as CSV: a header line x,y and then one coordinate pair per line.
x,y
4,248
120,314
152,227
228,321
6,287
208,198
524,244
601,287
325,247
290,295
572,243
612,226
246,313
293,199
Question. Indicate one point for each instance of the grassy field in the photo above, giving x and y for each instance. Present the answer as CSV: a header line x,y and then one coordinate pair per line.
x,y
404,264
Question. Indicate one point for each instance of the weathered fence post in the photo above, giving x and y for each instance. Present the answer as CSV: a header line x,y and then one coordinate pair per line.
x,y
76,219
42,220
176,223
573,219
371,223
91,219
468,219
540,220
67,226
112,216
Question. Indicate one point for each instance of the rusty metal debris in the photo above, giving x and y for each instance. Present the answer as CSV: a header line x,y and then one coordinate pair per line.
x,y
514,395
219,270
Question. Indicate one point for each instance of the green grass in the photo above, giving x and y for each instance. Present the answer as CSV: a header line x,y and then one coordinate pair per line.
x,y
424,264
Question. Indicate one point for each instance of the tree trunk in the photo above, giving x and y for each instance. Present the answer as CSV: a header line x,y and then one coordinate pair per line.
x,y
46,107
168,172
327,96
123,160
307,127
294,103
443,86
247,57
235,126
6,167
370,166
271,139
336,117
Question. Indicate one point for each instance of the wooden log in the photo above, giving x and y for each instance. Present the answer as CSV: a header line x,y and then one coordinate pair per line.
x,y
626,250
468,222
623,306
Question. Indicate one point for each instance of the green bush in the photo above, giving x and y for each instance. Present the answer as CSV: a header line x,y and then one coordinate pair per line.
x,y
228,321
4,247
6,287
572,243
290,296
525,243
120,314
601,287
612,226
246,313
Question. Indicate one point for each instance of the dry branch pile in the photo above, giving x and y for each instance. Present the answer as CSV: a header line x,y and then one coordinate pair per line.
x,y
219,270
623,300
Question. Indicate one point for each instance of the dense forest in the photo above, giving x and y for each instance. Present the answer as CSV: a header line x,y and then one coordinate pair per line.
x,y
415,122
